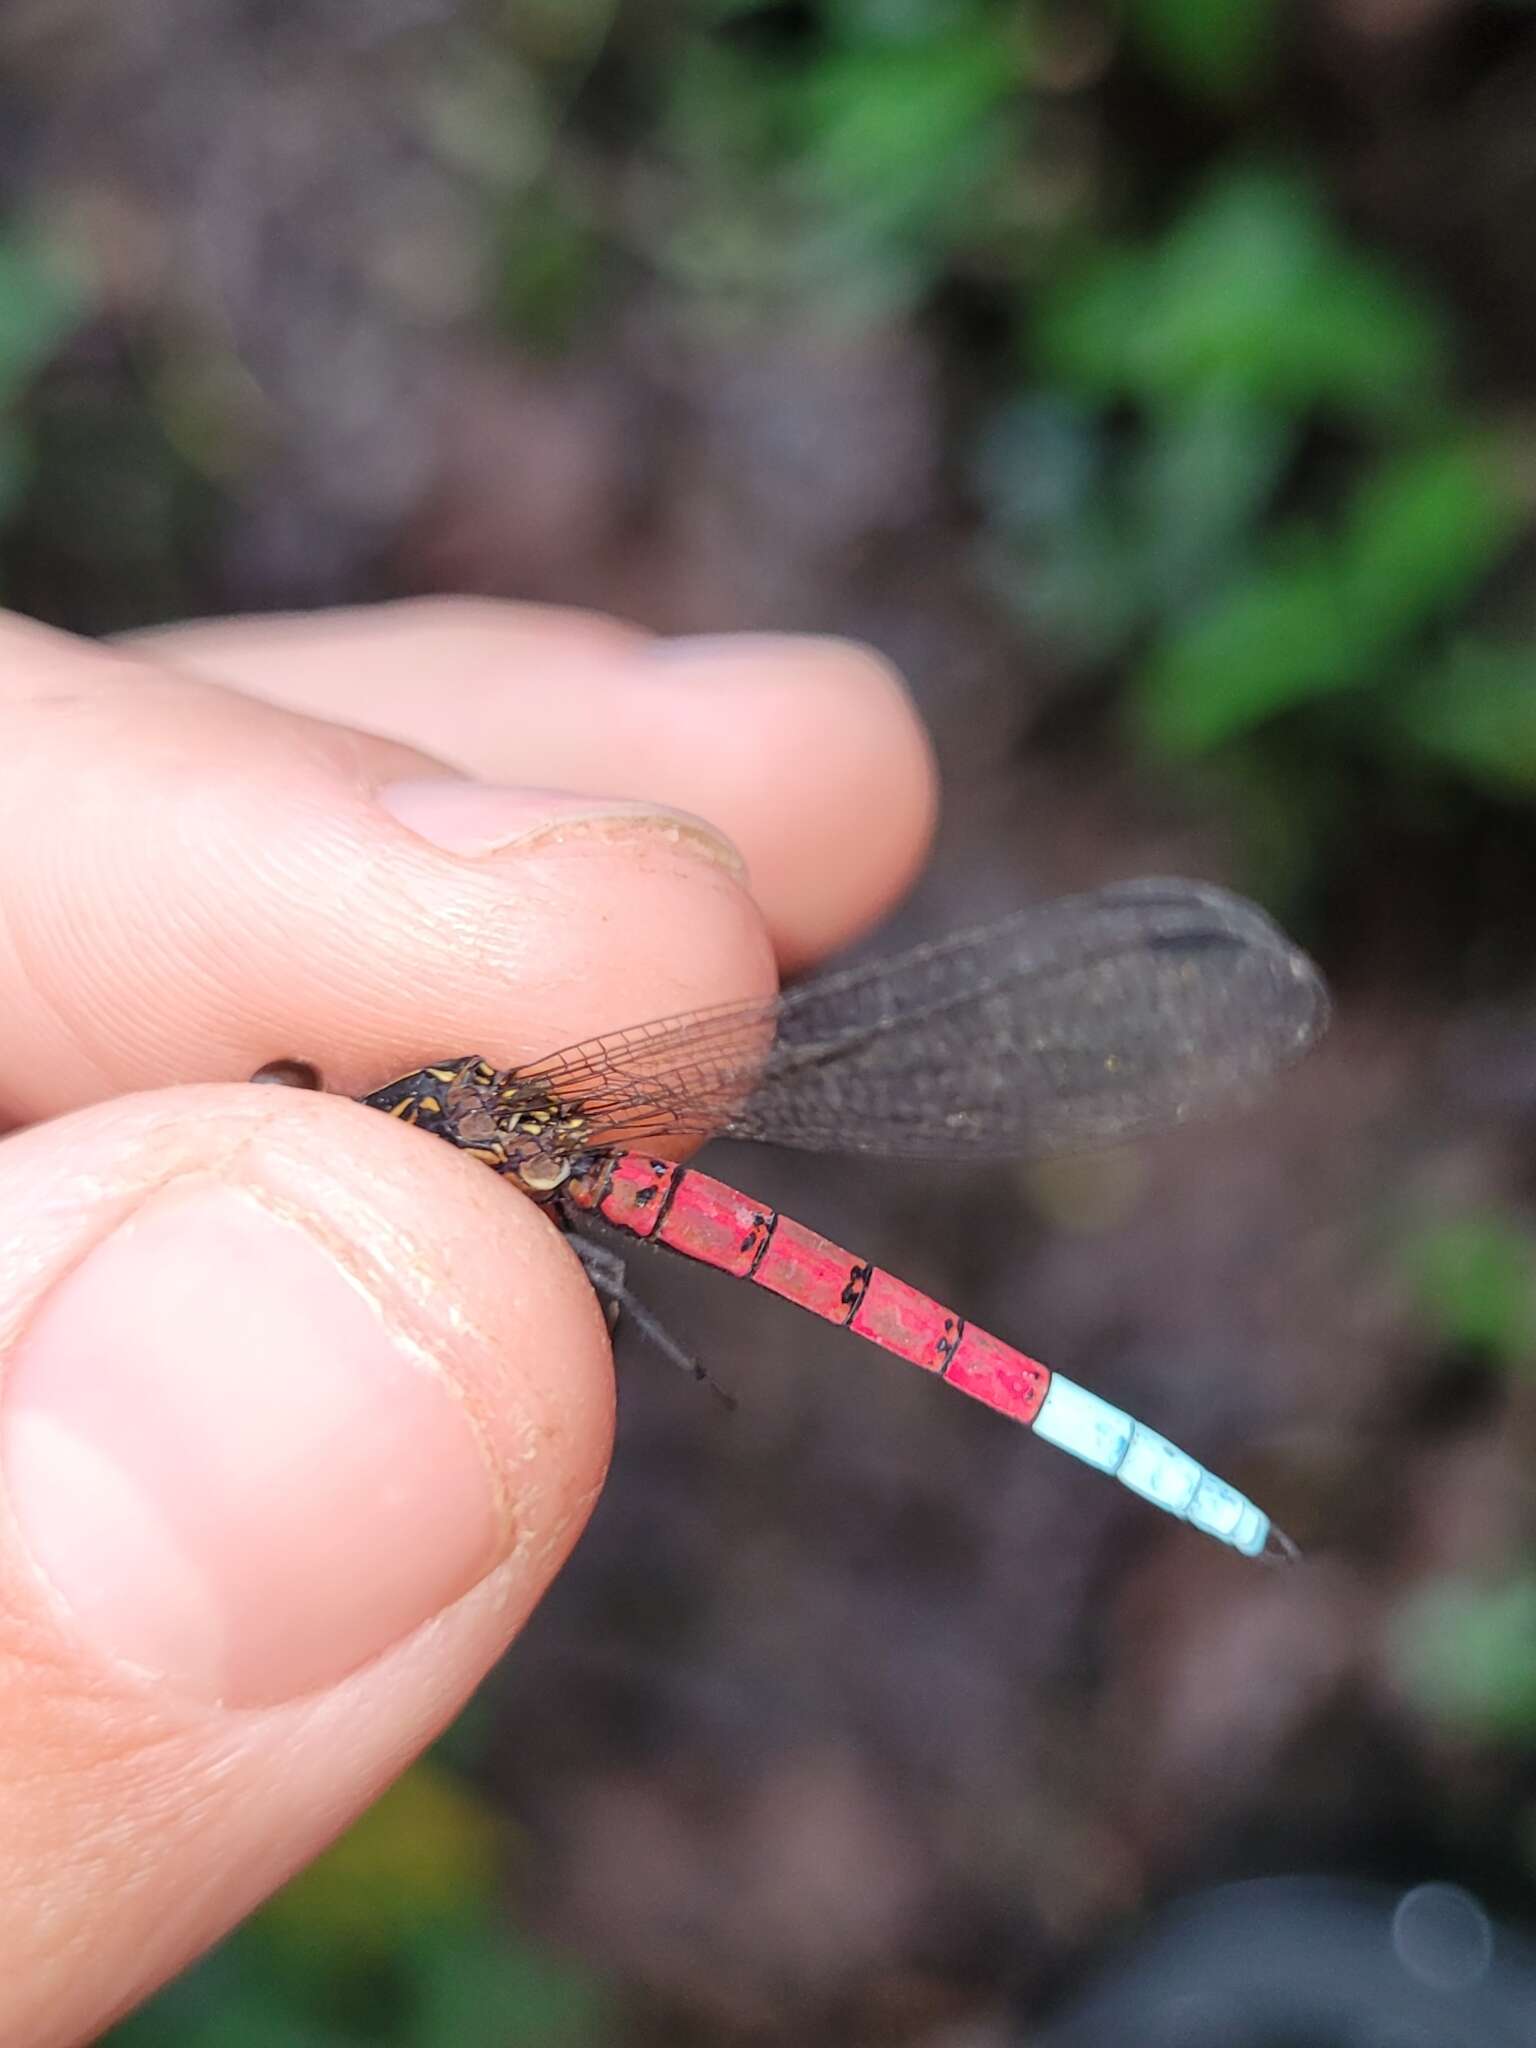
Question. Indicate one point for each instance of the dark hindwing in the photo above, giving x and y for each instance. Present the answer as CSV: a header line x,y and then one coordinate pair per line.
x,y
1071,1024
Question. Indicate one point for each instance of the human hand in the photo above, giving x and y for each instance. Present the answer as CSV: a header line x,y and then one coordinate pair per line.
x,y
300,1410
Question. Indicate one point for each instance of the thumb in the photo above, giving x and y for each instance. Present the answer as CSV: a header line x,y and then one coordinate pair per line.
x,y
299,1413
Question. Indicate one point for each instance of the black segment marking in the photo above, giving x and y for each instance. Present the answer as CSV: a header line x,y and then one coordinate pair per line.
x,y
678,1177
858,1286
759,1223
771,1223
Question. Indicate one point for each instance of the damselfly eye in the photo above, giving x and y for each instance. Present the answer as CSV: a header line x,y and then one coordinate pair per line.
x,y
288,1074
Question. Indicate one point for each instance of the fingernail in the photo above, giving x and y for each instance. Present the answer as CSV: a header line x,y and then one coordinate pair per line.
x,y
472,818
233,1475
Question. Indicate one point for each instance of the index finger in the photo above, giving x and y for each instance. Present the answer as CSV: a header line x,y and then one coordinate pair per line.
x,y
193,883
805,751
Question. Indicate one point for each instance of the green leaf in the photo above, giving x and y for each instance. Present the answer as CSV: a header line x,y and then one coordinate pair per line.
x,y
1276,638
898,130
1475,1277
230,1999
1475,712
426,1848
1325,612
1468,1654
1423,531
478,1985
39,305
551,273
1252,295
1216,49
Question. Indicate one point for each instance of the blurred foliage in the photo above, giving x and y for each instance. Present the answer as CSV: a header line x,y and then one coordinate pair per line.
x,y
1467,1652
1473,708
1250,295
1326,611
1211,49
40,304
1223,454
1212,441
392,1937
1250,484
1475,1278
851,160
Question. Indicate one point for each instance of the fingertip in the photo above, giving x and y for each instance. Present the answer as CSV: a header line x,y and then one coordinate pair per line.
x,y
805,750
821,764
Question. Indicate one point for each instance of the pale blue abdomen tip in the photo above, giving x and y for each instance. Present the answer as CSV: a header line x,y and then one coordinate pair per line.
x,y
1221,1511
1077,1421
1112,1441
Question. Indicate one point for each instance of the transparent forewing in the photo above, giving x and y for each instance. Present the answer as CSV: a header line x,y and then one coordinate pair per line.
x,y
1071,1024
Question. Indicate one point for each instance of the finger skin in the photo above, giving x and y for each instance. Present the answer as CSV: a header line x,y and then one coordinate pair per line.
x,y
193,883
196,879
137,1825
806,752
